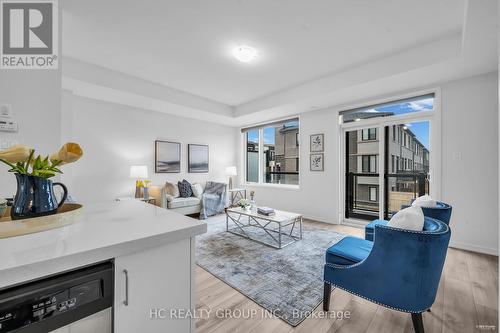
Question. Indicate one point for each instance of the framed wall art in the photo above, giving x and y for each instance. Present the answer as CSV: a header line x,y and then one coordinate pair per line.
x,y
198,158
317,143
167,157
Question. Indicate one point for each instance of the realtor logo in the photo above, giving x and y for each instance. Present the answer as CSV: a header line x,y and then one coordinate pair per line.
x,y
29,35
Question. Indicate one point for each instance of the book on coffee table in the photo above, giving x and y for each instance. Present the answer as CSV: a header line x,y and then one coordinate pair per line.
x,y
265,211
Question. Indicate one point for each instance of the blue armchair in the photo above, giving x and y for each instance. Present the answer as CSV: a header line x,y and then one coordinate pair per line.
x,y
442,213
400,270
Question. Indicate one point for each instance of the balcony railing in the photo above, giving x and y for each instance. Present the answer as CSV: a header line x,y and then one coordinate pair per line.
x,y
278,177
401,188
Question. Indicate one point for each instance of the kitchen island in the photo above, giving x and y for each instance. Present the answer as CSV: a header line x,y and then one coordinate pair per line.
x,y
152,250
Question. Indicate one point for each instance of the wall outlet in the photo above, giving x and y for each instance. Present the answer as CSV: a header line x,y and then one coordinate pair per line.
x,y
6,110
457,156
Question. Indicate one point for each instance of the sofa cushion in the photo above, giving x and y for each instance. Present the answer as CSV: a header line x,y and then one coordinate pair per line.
x,y
411,218
185,189
183,202
348,251
172,189
197,190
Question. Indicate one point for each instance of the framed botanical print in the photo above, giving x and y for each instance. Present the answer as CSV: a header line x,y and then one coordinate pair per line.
x,y
167,157
198,158
317,143
317,162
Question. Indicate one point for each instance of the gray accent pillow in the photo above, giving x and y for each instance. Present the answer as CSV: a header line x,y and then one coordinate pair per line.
x,y
185,189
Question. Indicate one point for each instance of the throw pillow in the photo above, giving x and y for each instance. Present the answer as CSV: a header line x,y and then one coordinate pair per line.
x,y
172,189
185,189
425,201
197,190
411,218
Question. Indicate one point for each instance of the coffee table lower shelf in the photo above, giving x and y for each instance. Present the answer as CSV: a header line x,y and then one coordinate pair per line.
x,y
243,220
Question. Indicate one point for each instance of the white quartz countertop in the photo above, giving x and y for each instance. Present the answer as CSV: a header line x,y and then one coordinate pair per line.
x,y
103,231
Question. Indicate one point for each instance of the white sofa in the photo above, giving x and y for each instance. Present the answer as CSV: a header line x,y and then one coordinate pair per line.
x,y
185,206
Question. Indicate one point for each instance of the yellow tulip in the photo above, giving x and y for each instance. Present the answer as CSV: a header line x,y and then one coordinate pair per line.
x,y
17,153
69,153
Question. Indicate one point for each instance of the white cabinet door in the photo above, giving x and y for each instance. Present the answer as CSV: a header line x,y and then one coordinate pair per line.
x,y
158,278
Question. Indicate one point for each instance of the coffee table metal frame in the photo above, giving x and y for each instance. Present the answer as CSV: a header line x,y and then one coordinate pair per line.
x,y
264,222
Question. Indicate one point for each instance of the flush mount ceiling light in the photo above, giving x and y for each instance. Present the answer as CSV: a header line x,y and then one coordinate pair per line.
x,y
245,53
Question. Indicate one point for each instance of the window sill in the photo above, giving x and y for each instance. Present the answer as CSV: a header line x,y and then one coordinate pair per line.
x,y
276,186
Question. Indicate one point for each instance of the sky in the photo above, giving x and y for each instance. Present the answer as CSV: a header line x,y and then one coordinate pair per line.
x,y
420,129
269,135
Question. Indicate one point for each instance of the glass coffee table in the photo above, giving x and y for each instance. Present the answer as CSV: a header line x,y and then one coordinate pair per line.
x,y
282,228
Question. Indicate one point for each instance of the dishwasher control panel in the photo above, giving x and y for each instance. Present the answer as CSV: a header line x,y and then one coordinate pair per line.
x,y
53,303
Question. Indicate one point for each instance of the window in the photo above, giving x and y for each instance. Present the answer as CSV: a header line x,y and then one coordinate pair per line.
x,y
393,108
393,164
393,132
273,153
369,163
252,144
373,193
369,134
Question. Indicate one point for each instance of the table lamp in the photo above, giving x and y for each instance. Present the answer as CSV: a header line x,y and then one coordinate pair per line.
x,y
231,171
139,173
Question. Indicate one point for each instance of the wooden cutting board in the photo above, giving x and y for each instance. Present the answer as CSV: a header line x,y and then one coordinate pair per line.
x,y
66,214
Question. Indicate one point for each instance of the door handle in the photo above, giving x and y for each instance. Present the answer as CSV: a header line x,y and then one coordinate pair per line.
x,y
125,302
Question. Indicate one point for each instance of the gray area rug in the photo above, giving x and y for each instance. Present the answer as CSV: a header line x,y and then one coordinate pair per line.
x,y
288,282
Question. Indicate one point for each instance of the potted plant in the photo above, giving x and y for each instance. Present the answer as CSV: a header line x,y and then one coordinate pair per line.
x,y
35,191
245,204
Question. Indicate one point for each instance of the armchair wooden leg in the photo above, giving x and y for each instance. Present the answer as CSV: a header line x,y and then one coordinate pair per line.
x,y
418,324
327,291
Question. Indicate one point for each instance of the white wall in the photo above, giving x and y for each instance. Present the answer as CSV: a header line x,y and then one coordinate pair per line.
x,y
469,126
35,96
115,136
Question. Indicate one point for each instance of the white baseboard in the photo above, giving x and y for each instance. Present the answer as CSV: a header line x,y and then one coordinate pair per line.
x,y
474,248
320,219
350,223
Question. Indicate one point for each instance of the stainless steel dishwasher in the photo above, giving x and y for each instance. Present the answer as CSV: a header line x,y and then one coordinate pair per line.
x,y
77,301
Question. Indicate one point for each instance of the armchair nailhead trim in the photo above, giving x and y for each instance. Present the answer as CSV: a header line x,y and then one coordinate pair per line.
x,y
373,301
417,232
423,233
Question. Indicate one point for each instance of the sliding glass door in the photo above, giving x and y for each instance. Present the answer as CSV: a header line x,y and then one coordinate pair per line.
x,y
362,173
387,157
407,161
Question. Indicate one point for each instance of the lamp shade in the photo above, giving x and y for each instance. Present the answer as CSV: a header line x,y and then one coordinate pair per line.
x,y
231,171
139,171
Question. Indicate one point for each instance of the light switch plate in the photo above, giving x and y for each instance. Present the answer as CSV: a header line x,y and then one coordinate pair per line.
x,y
8,126
6,110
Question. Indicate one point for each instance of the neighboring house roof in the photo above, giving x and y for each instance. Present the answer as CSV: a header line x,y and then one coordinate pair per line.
x,y
285,129
363,114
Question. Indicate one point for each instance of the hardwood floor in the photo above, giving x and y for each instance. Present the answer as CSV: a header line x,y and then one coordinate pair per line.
x,y
467,301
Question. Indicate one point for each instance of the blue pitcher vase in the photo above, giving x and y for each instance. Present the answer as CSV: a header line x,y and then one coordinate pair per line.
x,y
35,197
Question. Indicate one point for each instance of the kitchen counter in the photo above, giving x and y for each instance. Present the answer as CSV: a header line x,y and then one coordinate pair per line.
x,y
103,231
